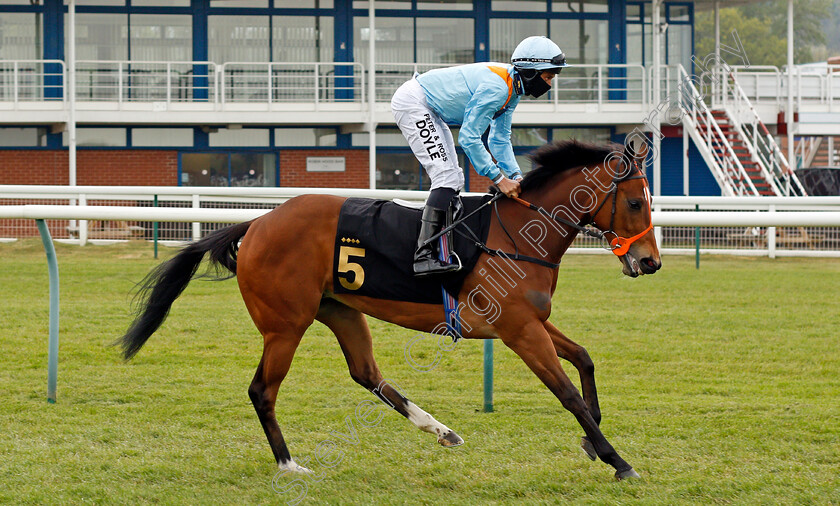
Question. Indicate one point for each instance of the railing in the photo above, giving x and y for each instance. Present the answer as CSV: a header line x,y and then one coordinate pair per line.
x,y
731,225
31,80
762,146
711,141
805,149
316,82
812,85
146,81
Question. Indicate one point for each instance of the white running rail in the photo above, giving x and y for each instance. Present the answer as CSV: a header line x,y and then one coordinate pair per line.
x,y
710,140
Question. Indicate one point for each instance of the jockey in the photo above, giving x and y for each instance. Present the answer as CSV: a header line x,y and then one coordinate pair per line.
x,y
474,96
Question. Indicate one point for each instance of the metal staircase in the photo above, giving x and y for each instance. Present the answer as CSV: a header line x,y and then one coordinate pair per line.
x,y
735,144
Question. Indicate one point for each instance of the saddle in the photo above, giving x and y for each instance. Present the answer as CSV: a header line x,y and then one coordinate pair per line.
x,y
374,250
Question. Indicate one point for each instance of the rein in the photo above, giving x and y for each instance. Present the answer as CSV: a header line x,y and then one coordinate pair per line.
x,y
618,245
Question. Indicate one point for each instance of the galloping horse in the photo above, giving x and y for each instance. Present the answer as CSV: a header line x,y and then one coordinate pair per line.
x,y
284,267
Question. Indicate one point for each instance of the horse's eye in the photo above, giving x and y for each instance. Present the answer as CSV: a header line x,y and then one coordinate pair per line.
x,y
634,204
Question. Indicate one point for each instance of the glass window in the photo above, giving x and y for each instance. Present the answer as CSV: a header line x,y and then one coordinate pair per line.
x,y
253,169
583,40
634,11
163,137
634,44
445,5
99,36
445,40
302,38
161,38
528,136
394,40
679,45
305,137
98,2
579,6
160,3
15,2
397,171
238,39
256,137
239,3
310,4
391,137
518,5
23,137
204,169
678,13
506,34
593,135
384,4
19,38
97,137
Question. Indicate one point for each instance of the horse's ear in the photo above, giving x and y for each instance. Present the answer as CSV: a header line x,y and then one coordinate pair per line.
x,y
637,150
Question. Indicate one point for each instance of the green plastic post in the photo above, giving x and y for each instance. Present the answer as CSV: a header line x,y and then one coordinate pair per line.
x,y
52,357
488,375
697,242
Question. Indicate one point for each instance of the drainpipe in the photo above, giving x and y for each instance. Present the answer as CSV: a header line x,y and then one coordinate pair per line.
x,y
789,112
372,92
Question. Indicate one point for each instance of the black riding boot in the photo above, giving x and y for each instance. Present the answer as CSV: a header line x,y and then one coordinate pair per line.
x,y
426,261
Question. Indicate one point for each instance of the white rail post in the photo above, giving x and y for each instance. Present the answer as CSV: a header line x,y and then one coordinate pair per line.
x,y
83,224
196,226
771,236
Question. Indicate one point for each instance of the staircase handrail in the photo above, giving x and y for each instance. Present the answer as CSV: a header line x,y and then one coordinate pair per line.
x,y
723,165
762,146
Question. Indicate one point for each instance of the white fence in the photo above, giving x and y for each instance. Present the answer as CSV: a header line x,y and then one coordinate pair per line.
x,y
774,226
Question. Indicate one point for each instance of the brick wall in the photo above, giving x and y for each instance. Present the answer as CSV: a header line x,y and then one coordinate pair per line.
x,y
111,168
293,169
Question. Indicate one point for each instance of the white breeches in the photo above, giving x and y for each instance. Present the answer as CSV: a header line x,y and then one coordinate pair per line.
x,y
429,137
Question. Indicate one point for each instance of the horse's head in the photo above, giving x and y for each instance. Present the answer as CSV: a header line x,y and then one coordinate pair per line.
x,y
625,213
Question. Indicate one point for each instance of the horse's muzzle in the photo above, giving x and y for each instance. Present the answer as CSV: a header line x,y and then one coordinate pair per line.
x,y
635,268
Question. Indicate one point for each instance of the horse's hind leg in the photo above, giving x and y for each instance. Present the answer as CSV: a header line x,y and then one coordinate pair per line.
x,y
353,333
577,355
278,351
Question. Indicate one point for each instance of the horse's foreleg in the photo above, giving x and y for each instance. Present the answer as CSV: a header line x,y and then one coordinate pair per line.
x,y
534,346
577,355
353,333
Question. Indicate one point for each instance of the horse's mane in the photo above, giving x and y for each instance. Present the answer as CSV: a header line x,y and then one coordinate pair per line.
x,y
560,156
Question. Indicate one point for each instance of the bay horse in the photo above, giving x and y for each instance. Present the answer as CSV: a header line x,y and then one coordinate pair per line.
x,y
284,267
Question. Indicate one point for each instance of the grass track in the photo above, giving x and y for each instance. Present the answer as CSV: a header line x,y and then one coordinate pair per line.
x,y
719,386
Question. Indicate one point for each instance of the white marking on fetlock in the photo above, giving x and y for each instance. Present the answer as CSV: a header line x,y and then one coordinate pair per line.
x,y
425,421
293,467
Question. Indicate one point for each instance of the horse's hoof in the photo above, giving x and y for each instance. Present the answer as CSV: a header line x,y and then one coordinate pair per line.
x,y
450,440
629,473
293,467
589,448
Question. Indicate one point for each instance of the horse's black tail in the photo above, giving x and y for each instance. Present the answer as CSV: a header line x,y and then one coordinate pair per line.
x,y
160,288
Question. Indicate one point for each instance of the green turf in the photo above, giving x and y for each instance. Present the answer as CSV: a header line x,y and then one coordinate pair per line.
x,y
719,386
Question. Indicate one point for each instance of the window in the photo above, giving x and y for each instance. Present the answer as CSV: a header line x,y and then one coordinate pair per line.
x,y
445,40
161,137
305,137
23,137
18,31
238,39
228,169
257,137
97,137
506,34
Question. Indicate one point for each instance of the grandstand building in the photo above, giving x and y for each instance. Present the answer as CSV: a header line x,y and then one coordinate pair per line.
x,y
281,93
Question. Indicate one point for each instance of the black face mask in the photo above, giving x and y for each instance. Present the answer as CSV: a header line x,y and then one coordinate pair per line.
x,y
532,82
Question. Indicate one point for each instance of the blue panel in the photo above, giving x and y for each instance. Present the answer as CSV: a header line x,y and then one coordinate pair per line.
x,y
201,82
617,53
672,166
701,182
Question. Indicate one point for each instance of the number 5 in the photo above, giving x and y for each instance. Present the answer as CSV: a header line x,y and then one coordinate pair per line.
x,y
344,255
